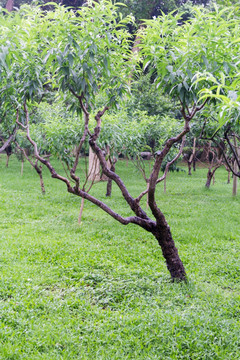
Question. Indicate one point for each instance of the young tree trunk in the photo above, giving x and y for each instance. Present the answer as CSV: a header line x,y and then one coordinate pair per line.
x,y
165,185
194,164
22,167
209,178
8,156
235,168
94,167
229,176
41,183
189,167
192,158
81,211
109,182
170,253
235,179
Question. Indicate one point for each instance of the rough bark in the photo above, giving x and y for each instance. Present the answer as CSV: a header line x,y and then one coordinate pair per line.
x,y
170,252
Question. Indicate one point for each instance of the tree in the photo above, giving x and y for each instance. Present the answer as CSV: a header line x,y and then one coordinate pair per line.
x,y
86,55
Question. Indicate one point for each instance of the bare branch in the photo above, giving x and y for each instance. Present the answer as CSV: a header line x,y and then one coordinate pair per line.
x,y
173,160
40,158
111,174
157,166
233,151
8,141
147,224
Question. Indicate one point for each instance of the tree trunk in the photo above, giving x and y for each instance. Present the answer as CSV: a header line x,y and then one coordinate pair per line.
x,y
209,178
109,182
165,185
194,164
8,156
22,167
94,167
235,168
235,179
42,183
229,176
81,211
170,253
192,158
205,153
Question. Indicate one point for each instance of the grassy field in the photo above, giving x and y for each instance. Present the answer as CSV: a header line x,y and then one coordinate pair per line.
x,y
102,290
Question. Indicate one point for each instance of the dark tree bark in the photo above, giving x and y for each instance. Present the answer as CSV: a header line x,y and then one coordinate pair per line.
x,y
169,251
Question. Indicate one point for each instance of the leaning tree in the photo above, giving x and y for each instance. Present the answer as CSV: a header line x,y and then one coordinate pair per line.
x,y
85,53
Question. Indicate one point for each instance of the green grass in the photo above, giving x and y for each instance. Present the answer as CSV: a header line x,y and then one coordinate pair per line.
x,y
102,290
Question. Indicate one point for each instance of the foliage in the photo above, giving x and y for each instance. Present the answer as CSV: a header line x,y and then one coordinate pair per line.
x,y
145,97
88,61
56,131
181,52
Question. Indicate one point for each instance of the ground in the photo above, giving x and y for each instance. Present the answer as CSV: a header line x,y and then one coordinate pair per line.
x,y
102,290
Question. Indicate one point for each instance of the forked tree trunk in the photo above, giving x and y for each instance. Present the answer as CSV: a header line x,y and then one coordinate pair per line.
x,y
209,178
211,174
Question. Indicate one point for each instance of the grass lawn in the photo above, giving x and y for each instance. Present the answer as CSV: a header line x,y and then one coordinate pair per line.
x,y
101,290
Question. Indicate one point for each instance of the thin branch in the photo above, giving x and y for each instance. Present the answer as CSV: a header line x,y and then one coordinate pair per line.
x,y
147,224
172,161
233,150
111,174
40,158
160,155
8,141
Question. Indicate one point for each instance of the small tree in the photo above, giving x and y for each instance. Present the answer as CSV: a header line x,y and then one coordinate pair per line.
x,y
88,54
